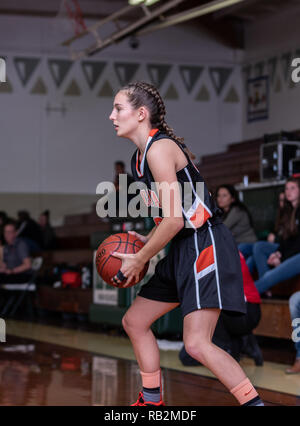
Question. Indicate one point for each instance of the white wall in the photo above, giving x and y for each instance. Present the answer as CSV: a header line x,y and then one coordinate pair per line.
x,y
274,38
55,152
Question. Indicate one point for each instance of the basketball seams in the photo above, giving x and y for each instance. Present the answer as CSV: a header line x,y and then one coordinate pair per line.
x,y
123,243
109,256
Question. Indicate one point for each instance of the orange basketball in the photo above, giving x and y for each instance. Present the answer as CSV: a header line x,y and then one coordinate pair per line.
x,y
107,265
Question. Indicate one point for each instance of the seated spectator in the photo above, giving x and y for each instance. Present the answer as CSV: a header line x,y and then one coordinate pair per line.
x,y
30,231
277,262
16,264
294,303
233,333
48,234
273,236
261,248
236,217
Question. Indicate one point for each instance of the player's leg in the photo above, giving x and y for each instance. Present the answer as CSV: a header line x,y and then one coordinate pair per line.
x,y
199,327
137,322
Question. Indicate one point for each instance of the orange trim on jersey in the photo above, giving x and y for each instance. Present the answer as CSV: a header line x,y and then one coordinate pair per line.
x,y
200,216
138,160
137,165
205,259
153,132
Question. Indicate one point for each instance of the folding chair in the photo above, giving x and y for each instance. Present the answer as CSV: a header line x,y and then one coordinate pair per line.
x,y
23,288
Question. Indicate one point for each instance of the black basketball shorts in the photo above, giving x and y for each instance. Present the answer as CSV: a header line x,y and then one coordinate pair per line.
x,y
200,271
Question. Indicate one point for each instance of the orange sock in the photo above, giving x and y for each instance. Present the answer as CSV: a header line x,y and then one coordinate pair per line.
x,y
151,380
244,392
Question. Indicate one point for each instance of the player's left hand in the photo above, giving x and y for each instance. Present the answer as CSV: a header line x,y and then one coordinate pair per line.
x,y
131,268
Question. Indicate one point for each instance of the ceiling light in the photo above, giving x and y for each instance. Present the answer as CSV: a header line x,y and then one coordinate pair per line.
x,y
135,2
146,2
150,2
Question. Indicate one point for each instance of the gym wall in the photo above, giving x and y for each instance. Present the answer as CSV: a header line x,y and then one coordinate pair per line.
x,y
57,140
271,44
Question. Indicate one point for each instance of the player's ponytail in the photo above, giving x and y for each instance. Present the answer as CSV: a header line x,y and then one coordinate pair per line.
x,y
141,93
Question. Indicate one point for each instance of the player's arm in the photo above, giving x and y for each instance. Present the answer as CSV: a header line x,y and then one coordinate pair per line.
x,y
162,162
143,238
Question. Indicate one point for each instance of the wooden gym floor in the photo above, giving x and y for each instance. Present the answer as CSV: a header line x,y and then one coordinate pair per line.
x,y
50,365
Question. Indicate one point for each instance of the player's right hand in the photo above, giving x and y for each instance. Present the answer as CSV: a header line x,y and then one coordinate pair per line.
x,y
143,238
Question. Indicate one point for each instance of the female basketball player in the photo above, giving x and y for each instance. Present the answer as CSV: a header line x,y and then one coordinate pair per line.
x,y
201,271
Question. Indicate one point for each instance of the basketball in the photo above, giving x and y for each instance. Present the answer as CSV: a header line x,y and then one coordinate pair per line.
x,y
107,265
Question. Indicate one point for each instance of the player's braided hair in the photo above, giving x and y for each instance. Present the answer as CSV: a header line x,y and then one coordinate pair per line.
x,y
145,94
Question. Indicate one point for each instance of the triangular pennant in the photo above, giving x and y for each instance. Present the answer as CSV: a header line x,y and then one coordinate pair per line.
x,y
39,88
203,95
277,87
272,65
25,68
259,69
125,71
232,96
106,91
92,71
286,61
158,73
219,77
59,68
171,93
6,87
190,76
73,89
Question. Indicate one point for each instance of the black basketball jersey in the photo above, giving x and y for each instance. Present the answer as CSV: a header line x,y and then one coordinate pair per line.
x,y
197,203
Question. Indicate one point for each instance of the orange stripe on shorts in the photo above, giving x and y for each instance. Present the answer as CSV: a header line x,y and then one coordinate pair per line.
x,y
205,259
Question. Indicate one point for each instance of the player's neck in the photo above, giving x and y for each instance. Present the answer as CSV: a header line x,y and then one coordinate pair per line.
x,y
140,138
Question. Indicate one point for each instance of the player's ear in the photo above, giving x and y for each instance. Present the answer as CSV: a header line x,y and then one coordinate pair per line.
x,y
143,113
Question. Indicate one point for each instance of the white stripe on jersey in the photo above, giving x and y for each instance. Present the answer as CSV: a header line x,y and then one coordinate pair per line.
x,y
195,271
206,271
195,193
144,157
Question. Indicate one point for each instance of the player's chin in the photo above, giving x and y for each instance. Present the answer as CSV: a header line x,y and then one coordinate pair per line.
x,y
122,134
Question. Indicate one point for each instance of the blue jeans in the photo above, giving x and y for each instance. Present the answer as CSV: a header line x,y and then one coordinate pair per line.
x,y
294,303
260,256
247,251
286,270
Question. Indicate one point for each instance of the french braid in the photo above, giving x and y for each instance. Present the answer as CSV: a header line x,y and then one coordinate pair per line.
x,y
142,93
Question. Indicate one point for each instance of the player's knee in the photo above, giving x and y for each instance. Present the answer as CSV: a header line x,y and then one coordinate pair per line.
x,y
131,324
127,323
196,349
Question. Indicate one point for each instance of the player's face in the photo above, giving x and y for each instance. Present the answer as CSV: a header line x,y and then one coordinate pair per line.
x,y
123,116
224,198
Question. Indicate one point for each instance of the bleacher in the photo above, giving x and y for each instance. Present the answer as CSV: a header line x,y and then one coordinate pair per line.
x,y
230,167
73,249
